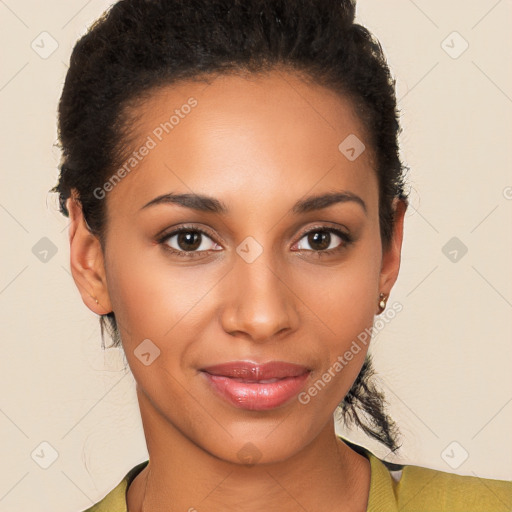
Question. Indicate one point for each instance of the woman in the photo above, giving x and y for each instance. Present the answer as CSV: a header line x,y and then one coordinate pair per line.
x,y
237,202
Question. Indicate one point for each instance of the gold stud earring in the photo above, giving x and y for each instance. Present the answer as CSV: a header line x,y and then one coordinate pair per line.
x,y
382,302
97,302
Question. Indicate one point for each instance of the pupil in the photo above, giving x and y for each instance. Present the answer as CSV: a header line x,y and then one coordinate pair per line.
x,y
189,238
323,240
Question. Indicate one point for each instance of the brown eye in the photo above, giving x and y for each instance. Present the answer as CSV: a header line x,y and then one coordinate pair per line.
x,y
188,240
319,240
322,240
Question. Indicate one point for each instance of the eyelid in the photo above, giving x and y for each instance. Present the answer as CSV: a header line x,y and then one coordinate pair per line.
x,y
324,226
168,232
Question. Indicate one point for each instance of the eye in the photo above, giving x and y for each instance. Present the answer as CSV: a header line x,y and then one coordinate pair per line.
x,y
325,240
188,241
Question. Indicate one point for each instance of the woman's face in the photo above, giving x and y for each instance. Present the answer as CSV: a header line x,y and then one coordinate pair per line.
x,y
246,282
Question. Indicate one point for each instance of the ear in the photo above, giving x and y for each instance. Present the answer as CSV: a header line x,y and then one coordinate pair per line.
x,y
391,258
86,260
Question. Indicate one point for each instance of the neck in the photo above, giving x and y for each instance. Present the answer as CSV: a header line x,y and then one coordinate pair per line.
x,y
324,475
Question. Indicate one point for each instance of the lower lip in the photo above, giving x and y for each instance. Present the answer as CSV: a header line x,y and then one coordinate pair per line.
x,y
255,396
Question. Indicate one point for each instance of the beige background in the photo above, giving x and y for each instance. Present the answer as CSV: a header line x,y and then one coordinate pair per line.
x,y
444,361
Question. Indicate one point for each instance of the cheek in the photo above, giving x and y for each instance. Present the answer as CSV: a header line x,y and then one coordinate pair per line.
x,y
345,298
345,303
154,298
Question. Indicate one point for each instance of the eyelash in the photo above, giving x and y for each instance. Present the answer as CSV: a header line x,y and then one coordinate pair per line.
x,y
347,240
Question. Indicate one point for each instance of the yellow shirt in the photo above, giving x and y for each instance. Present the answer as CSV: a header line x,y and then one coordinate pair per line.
x,y
393,488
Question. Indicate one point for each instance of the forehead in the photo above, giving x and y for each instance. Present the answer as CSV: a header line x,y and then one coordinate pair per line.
x,y
255,137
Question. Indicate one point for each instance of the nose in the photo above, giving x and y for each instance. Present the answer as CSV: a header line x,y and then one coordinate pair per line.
x,y
259,303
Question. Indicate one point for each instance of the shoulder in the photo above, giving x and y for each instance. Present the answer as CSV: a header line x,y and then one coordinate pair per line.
x,y
422,488
115,500
411,488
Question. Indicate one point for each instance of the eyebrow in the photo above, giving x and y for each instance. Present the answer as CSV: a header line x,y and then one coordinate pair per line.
x,y
210,204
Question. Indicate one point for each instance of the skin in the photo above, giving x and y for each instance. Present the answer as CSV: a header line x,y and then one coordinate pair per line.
x,y
258,145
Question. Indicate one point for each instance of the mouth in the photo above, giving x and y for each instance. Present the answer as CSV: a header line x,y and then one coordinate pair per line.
x,y
256,387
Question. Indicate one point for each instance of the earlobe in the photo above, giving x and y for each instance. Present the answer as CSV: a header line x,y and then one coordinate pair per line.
x,y
391,258
86,261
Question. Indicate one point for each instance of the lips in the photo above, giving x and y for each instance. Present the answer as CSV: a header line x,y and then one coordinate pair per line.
x,y
256,372
254,386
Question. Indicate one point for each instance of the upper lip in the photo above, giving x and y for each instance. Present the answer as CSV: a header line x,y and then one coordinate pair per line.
x,y
253,371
